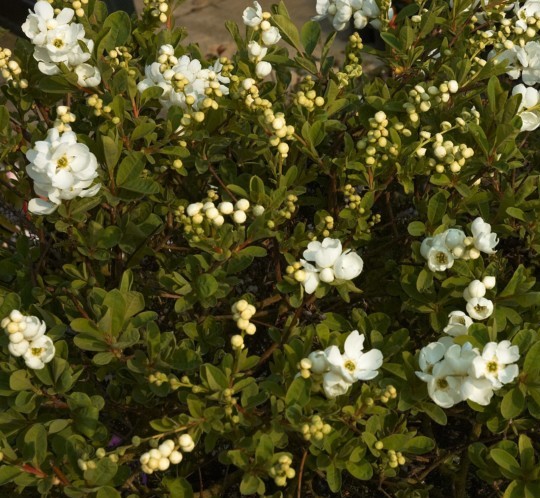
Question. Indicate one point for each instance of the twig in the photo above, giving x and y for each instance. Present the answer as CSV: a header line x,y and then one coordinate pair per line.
x,y
301,473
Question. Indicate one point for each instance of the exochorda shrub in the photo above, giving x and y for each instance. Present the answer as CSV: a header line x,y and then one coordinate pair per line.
x,y
272,274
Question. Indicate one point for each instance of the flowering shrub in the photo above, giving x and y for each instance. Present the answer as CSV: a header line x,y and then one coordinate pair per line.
x,y
277,274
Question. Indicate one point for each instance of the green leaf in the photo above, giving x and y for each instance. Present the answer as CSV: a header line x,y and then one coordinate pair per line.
x,y
264,450
298,392
513,403
108,492
434,412
35,445
416,228
215,378
118,31
178,487
111,151
309,35
102,474
333,477
20,381
206,285
419,445
362,470
391,40
288,30
507,463
8,473
436,208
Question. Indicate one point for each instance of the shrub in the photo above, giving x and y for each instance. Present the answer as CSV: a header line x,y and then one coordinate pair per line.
x,y
271,275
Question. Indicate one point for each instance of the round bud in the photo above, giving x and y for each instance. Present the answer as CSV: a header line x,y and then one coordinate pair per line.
x,y
237,341
242,204
251,329
225,207
175,457
477,289
379,445
327,275
163,463
489,282
16,316
239,217
258,210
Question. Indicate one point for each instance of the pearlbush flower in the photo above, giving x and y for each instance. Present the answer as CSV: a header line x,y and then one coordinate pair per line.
x,y
479,308
497,363
62,169
330,262
484,239
252,16
458,324
39,352
530,99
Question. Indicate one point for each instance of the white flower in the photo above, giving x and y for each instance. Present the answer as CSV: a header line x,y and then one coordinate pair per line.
x,y
195,81
443,387
311,282
439,258
342,15
33,328
479,308
348,265
256,52
458,324
39,352
529,9
324,254
497,363
433,353
478,390
321,8
525,61
530,98
354,364
252,16
334,385
61,169
88,76
42,20
271,36
484,240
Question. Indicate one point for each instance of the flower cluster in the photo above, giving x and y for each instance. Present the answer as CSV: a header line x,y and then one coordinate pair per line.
x,y
340,13
157,9
167,452
242,313
27,339
330,262
455,373
255,18
442,249
58,41
198,211
62,169
316,429
10,69
378,146
339,371
282,470
185,83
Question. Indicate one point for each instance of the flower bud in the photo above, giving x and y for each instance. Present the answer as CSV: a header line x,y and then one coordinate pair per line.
x,y
489,282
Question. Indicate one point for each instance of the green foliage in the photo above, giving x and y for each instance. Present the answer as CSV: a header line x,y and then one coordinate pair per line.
x,y
137,296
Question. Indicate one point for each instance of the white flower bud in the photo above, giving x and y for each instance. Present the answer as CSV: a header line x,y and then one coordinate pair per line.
x,y
16,316
211,213
453,86
186,443
258,210
248,83
237,341
226,207
239,217
175,457
242,204
489,282
476,289
194,209
163,463
327,275
263,69
251,329
218,220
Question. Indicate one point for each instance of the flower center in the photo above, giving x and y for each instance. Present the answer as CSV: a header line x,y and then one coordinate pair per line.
x,y
63,162
442,383
350,365
460,320
480,309
36,351
58,43
441,258
492,367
